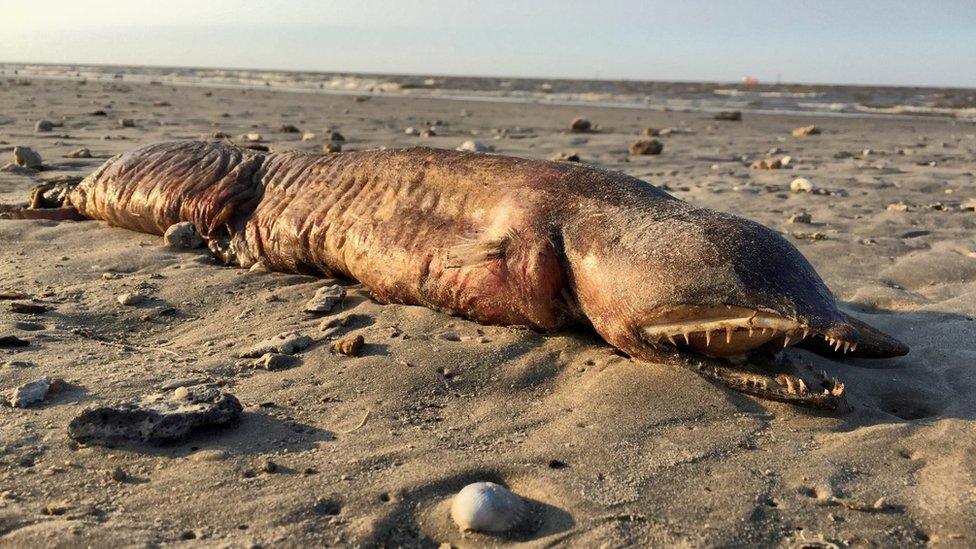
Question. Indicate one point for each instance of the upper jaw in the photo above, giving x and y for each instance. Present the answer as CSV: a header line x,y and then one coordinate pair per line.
x,y
726,331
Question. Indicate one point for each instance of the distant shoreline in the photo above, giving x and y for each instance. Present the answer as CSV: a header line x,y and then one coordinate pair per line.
x,y
893,102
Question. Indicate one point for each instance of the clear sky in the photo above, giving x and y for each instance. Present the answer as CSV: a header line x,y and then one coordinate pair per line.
x,y
917,42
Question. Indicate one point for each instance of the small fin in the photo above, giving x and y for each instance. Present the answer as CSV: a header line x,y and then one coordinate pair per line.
x,y
475,251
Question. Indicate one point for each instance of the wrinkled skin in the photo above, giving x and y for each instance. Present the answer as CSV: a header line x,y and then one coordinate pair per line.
x,y
499,240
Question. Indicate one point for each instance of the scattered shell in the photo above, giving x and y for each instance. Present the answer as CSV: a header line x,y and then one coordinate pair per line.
x,y
580,125
286,343
79,153
130,298
253,137
475,146
645,147
804,131
332,147
43,126
325,299
308,136
26,157
411,131
182,236
801,217
156,418
349,346
487,507
336,136
650,132
801,185
288,128
729,116
275,361
898,207
767,164
127,123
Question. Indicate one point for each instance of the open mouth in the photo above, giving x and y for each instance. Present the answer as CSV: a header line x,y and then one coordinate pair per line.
x,y
729,331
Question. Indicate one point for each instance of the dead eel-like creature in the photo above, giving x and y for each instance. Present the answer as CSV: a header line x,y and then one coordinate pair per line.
x,y
499,240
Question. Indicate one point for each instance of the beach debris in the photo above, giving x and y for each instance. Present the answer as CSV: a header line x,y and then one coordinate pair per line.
x,y
475,146
34,392
156,418
332,147
801,185
7,341
325,299
10,167
26,157
801,217
804,131
645,147
349,346
308,136
487,507
130,299
651,132
580,125
898,207
288,128
98,112
12,294
767,164
286,343
877,506
43,126
182,236
127,123
729,116
429,132
253,137
79,153
411,131
566,157
274,362
27,308
220,135
336,137
969,205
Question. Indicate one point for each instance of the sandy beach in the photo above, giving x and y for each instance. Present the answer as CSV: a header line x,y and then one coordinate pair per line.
x,y
369,450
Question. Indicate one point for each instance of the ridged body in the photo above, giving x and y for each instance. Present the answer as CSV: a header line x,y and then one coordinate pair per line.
x,y
497,239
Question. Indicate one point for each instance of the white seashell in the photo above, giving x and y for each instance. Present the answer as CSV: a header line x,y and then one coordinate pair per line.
x,y
487,507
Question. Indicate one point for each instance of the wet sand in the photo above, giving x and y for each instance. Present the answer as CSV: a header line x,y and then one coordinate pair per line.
x,y
369,450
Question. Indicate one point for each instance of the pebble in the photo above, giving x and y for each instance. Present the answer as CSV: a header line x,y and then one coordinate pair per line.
x,y
801,185
487,507
157,418
182,236
580,125
33,392
130,298
308,136
767,164
13,341
336,137
411,131
349,346
288,128
253,137
804,131
325,299
898,207
79,153
43,126
127,123
26,157
645,147
729,116
332,147
566,157
801,217
286,343
26,307
475,146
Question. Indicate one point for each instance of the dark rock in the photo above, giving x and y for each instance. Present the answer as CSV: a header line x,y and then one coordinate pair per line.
x,y
156,418
580,125
645,147
729,116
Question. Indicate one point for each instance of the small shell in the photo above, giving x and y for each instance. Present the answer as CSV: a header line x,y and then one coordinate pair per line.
x,y
487,507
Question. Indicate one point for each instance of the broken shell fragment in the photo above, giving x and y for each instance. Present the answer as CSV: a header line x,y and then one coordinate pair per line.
x,y
487,507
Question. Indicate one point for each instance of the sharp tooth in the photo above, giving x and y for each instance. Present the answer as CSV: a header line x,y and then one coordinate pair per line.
x,y
847,347
803,386
837,345
728,334
687,341
806,332
671,339
854,346
708,338
750,330
789,386
786,340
